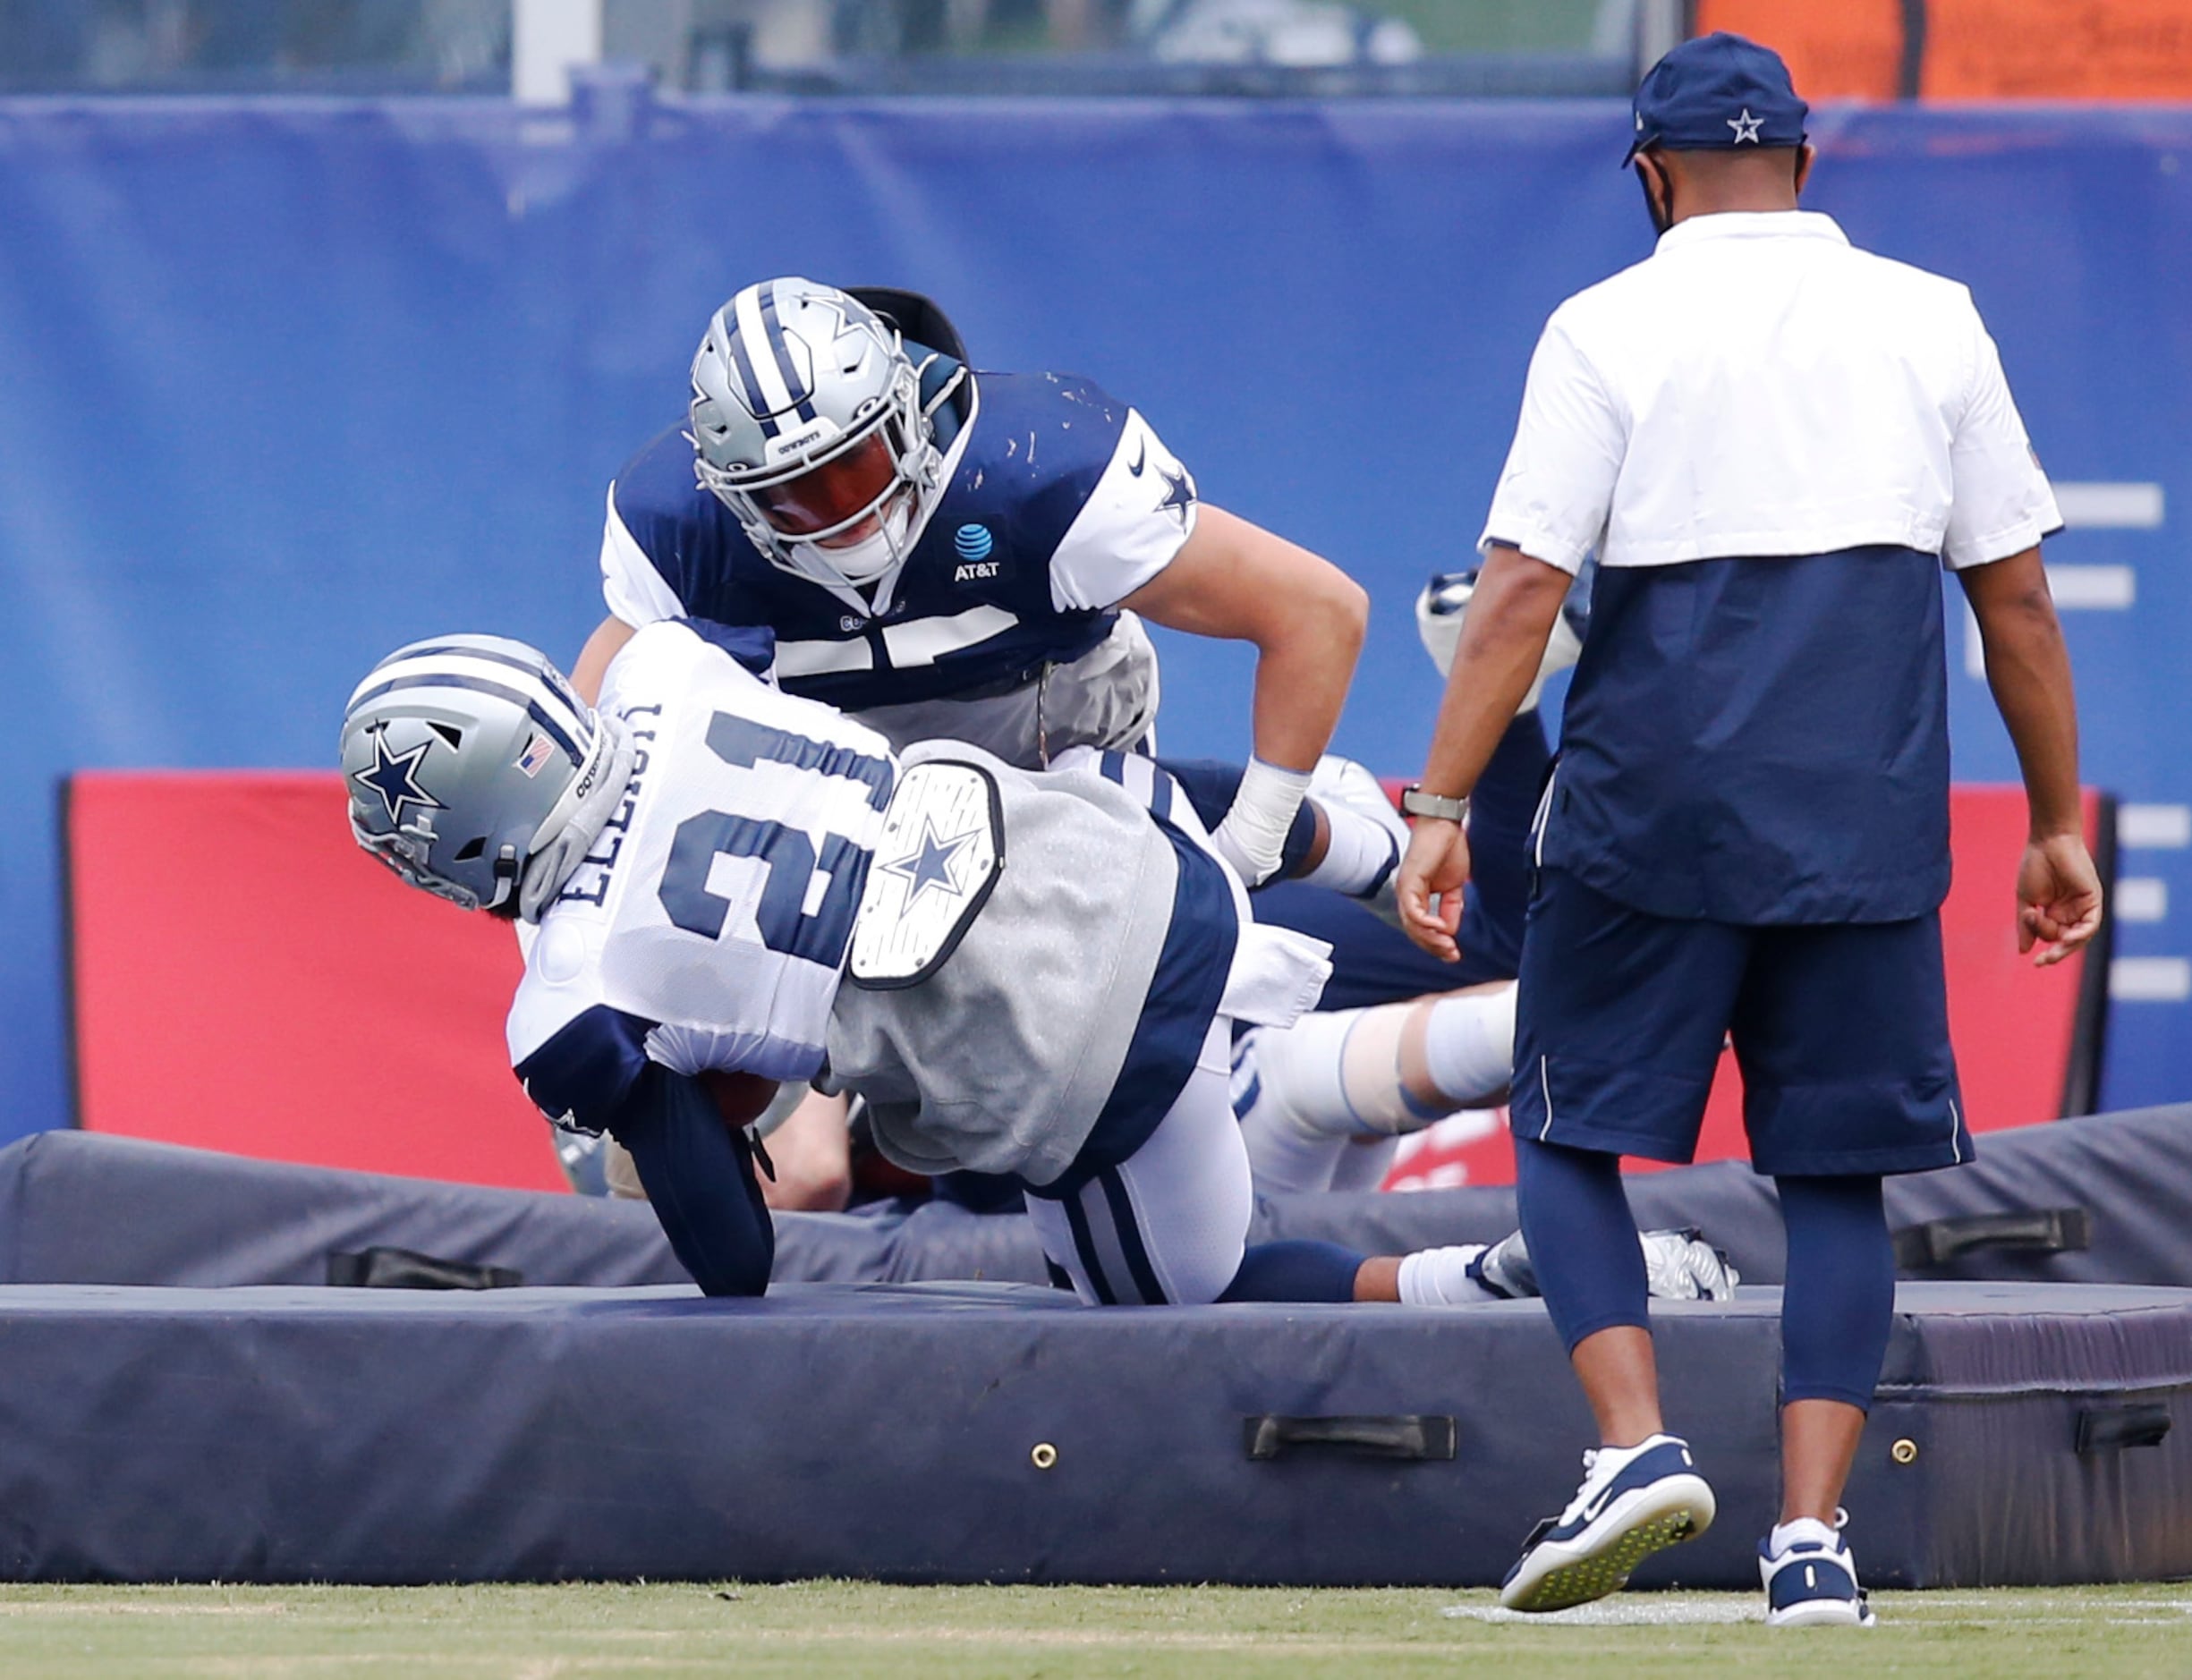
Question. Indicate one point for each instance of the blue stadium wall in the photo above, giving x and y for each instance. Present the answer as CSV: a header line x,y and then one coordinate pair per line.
x,y
283,384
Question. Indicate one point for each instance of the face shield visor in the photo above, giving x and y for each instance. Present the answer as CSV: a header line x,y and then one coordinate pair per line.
x,y
839,502
847,508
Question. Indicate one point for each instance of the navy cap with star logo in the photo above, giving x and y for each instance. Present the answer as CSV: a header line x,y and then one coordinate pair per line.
x,y
1714,94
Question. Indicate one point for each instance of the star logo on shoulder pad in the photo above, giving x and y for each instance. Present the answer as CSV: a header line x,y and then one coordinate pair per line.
x,y
394,775
930,863
1179,492
1746,127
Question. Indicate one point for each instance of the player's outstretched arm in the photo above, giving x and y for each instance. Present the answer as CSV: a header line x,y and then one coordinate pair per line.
x,y
2027,666
1306,618
698,1169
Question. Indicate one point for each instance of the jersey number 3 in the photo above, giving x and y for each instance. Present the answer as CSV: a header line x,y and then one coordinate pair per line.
x,y
790,859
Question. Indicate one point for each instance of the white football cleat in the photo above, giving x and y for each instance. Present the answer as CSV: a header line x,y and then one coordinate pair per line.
x,y
1339,781
1679,1266
1682,1266
1343,783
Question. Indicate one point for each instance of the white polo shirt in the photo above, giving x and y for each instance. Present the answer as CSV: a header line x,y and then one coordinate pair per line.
x,y
1758,386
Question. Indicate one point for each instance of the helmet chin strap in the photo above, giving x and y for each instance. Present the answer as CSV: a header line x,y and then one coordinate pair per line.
x,y
576,822
873,562
868,559
865,562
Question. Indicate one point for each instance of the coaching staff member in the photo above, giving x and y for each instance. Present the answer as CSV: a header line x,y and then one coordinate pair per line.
x,y
1774,441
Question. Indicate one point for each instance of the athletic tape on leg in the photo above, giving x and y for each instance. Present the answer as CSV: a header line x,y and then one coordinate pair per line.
x,y
1469,1047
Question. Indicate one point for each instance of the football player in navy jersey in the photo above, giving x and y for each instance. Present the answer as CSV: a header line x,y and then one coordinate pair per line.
x,y
943,553
728,887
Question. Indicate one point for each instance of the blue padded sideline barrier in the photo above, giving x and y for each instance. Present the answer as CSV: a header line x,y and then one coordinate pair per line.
x,y
85,1208
82,1207
965,1433
291,381
2130,1174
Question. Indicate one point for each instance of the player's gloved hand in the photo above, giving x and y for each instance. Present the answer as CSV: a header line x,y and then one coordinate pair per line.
x,y
1253,833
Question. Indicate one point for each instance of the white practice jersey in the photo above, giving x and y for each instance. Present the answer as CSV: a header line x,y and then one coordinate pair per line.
x,y
709,927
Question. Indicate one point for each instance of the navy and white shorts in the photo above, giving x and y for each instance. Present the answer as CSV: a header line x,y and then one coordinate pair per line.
x,y
1841,1032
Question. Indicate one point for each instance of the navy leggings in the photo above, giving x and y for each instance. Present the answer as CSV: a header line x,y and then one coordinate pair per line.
x,y
1836,1308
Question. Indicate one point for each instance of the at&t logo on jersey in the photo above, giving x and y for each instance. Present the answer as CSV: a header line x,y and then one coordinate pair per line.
x,y
974,544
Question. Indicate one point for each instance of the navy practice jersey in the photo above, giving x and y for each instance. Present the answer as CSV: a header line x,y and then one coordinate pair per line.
x,y
1059,502
708,928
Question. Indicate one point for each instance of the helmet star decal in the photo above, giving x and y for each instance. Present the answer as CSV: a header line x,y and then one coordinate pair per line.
x,y
929,864
846,324
394,777
1179,492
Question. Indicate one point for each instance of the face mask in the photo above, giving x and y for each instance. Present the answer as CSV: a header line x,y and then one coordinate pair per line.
x,y
864,561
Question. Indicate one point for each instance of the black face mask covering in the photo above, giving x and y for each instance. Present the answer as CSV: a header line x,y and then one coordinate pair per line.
x,y
1661,218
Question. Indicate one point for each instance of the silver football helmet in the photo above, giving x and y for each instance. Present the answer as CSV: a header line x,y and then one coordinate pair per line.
x,y
473,771
807,424
1444,604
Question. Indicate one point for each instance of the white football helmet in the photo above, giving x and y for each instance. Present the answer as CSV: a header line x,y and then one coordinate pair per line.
x,y
476,773
808,424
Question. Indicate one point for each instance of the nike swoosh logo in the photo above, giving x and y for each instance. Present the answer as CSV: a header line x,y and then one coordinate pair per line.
x,y
1142,460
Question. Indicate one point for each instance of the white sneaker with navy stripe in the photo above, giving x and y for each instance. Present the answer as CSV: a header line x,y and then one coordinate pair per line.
x,y
1811,1579
1634,1501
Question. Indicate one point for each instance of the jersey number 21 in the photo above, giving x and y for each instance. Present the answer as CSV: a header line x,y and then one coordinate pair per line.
x,y
791,859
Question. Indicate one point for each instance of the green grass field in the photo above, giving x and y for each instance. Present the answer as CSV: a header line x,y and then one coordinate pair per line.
x,y
854,1630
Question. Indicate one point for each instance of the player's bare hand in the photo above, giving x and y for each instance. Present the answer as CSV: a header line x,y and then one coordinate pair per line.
x,y
2057,898
1429,887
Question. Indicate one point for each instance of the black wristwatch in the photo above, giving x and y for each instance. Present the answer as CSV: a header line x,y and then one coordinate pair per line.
x,y
1415,802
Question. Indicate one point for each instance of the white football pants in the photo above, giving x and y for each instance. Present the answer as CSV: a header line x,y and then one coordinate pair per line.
x,y
1168,1224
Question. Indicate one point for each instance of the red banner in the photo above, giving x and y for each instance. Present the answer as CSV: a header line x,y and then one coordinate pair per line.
x,y
247,979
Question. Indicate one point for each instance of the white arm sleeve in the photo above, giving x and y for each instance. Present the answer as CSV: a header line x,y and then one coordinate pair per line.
x,y
630,584
1556,488
1141,512
2001,503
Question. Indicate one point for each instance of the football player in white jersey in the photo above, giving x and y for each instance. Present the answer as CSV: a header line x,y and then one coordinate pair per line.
x,y
1027,974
